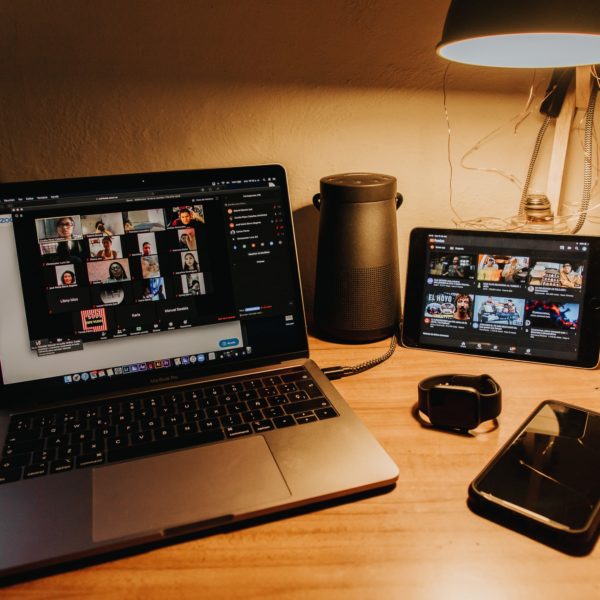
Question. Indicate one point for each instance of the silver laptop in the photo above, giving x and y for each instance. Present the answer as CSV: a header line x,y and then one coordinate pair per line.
x,y
154,365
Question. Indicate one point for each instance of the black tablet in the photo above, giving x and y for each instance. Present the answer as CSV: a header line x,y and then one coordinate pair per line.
x,y
532,297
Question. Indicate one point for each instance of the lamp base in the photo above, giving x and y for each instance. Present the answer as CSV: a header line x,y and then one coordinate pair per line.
x,y
545,225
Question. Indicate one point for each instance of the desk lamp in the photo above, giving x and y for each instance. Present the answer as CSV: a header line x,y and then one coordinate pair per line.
x,y
562,34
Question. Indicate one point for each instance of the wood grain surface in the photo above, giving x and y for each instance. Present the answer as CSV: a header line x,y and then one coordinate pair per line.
x,y
419,540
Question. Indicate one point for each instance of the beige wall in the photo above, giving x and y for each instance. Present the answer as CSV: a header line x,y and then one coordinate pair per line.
x,y
111,86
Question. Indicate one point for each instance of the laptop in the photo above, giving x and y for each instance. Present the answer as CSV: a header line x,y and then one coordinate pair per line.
x,y
155,372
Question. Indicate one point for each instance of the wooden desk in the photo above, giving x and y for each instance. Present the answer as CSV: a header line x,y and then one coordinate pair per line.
x,y
418,541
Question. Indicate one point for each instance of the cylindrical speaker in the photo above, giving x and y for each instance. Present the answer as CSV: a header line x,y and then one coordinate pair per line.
x,y
357,290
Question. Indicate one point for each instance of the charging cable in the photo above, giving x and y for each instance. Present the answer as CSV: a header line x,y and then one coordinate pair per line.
x,y
339,371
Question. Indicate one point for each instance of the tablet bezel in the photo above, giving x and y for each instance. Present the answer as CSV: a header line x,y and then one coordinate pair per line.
x,y
417,272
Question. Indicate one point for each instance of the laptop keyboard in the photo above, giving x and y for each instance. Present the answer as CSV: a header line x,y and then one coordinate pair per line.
x,y
89,435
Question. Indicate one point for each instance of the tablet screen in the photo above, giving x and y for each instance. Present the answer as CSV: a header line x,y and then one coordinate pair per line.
x,y
526,296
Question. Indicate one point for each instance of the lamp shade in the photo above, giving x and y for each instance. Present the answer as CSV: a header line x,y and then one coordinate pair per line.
x,y
522,33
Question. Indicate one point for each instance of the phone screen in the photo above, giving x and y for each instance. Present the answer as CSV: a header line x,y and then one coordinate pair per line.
x,y
549,471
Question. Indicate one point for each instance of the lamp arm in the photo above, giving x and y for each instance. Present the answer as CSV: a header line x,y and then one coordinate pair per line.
x,y
556,91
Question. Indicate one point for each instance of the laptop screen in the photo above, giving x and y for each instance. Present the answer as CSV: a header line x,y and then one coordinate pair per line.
x,y
121,281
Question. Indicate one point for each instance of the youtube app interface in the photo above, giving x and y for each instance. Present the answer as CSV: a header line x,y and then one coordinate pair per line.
x,y
504,296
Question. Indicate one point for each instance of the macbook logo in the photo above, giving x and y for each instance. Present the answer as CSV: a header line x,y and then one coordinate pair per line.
x,y
164,379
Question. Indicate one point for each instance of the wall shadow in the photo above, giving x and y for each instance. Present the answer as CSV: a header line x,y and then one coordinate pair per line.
x,y
374,43
306,226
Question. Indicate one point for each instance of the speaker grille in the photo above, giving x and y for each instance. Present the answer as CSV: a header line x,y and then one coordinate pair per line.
x,y
363,299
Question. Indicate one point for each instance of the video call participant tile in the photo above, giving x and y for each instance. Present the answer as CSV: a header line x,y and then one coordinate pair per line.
x,y
64,275
137,318
66,251
136,221
111,294
63,228
94,323
63,300
185,239
146,244
103,224
107,271
186,216
150,290
150,266
192,284
175,313
105,247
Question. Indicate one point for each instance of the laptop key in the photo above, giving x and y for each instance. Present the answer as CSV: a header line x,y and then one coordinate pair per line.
x,y
92,446
230,420
307,419
36,470
301,415
279,399
59,466
233,387
237,407
216,411
268,392
213,390
273,411
69,451
325,413
297,396
194,395
117,442
194,415
189,405
285,388
163,433
281,422
238,430
90,460
209,424
253,384
263,425
227,398
40,456
82,436
252,415
257,404
187,429
142,437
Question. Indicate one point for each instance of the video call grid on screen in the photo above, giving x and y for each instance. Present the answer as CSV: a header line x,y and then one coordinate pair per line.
x,y
487,294
101,269
236,279
66,271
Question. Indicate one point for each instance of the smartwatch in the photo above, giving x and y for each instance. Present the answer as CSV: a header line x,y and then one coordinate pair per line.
x,y
459,401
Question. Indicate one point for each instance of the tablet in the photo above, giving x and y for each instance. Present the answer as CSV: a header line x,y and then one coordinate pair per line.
x,y
531,297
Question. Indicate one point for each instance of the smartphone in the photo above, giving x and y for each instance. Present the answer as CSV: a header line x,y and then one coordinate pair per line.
x,y
545,481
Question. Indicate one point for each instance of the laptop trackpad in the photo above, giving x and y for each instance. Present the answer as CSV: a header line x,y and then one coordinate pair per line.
x,y
170,490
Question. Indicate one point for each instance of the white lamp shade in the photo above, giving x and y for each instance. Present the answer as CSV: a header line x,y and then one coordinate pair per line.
x,y
522,33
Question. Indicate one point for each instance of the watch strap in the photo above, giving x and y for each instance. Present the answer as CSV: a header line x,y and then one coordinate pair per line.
x,y
490,393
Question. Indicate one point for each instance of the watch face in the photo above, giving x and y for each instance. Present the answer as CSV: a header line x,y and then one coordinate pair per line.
x,y
453,406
